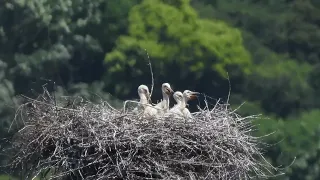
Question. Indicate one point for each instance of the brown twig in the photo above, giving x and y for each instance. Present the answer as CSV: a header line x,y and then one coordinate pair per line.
x,y
95,141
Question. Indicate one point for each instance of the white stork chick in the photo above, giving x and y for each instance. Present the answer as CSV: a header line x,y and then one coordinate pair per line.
x,y
163,106
144,94
187,95
177,108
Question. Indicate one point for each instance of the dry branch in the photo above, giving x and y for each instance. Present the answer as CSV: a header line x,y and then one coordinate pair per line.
x,y
94,141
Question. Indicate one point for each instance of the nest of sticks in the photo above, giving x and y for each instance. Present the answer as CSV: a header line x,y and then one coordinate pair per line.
x,y
77,139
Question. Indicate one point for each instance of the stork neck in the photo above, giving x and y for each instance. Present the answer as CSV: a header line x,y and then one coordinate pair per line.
x,y
143,100
179,104
183,103
165,100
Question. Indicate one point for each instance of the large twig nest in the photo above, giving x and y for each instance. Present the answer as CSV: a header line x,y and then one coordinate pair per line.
x,y
95,141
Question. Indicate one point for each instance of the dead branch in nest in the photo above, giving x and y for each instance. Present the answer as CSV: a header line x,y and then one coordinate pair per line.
x,y
95,141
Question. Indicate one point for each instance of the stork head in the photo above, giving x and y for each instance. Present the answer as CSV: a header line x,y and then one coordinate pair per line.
x,y
143,89
166,88
190,95
178,96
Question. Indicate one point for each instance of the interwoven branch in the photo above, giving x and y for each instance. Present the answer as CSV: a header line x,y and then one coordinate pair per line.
x,y
95,141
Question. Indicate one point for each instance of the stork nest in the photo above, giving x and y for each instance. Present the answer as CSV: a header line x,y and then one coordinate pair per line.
x,y
85,140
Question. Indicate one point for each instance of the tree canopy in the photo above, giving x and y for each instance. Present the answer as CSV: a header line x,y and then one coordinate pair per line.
x,y
269,51
197,46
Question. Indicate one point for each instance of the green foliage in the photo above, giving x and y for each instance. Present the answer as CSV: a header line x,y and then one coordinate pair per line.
x,y
181,39
7,105
297,138
269,34
269,48
58,40
245,108
284,26
285,86
5,177
92,92
54,41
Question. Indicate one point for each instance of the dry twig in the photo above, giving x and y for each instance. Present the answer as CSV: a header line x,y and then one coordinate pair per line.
x,y
95,141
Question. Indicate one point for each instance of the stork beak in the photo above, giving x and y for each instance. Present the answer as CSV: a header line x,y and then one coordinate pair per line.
x,y
169,91
194,95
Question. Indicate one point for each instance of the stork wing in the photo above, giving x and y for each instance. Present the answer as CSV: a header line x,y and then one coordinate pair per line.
x,y
159,105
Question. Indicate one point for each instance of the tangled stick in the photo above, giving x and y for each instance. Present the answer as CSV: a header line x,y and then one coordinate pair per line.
x,y
80,139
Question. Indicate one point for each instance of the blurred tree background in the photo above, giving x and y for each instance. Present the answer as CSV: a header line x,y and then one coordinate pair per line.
x,y
269,49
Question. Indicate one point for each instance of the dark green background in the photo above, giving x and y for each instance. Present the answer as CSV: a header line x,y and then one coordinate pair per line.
x,y
270,49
